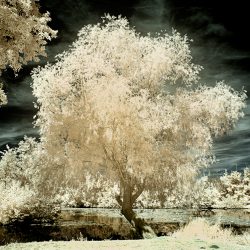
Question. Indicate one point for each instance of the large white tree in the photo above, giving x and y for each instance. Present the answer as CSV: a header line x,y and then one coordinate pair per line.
x,y
130,106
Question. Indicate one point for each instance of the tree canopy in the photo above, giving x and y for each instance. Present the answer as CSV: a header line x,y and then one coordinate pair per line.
x,y
24,33
131,104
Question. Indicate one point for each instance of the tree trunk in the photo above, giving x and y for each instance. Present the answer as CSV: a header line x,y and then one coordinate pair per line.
x,y
142,229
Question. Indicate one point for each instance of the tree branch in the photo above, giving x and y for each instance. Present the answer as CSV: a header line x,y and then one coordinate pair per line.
x,y
140,188
118,199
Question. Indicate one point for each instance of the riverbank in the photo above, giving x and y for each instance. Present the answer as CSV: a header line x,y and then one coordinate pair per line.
x,y
108,224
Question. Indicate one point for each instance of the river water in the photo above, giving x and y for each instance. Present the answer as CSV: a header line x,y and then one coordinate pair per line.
x,y
220,45
110,224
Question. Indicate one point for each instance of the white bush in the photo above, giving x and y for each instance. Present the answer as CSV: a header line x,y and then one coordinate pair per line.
x,y
234,190
95,191
20,171
15,198
23,163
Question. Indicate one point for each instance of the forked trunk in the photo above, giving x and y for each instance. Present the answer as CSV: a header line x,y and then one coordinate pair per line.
x,y
138,224
142,229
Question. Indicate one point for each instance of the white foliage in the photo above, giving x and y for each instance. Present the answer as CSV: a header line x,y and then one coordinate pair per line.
x,y
234,190
20,184
3,98
14,199
24,33
95,192
229,191
22,163
201,193
19,178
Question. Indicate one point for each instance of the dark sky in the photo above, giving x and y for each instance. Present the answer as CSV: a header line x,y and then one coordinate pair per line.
x,y
225,20
221,44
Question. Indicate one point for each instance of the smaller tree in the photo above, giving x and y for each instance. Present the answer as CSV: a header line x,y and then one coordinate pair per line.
x,y
234,189
128,106
19,179
24,33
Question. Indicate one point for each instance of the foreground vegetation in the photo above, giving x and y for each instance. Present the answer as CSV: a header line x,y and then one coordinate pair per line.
x,y
198,234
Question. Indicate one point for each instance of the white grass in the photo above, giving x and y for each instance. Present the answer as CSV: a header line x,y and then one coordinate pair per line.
x,y
200,229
